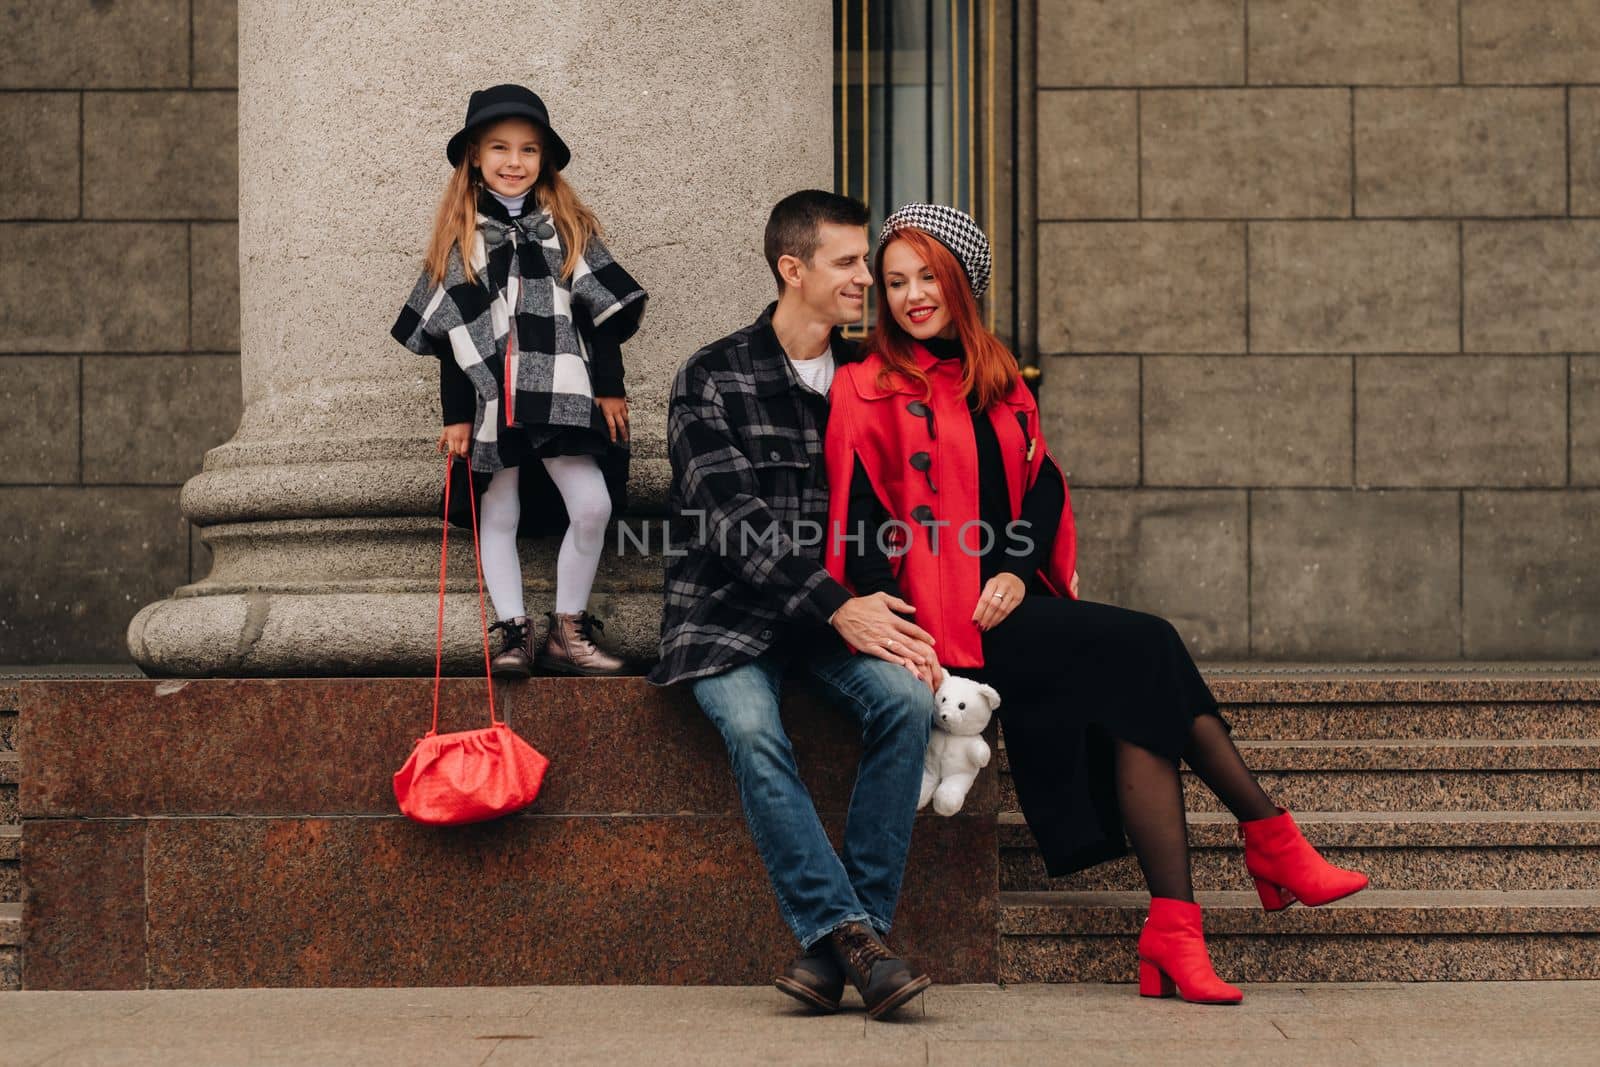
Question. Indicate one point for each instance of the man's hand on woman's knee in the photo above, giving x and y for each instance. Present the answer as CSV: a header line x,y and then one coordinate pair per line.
x,y
871,625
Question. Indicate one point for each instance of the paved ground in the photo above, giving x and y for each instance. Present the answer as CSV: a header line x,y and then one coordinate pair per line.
x,y
1543,1023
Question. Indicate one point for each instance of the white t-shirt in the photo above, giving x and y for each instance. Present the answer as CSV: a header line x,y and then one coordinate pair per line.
x,y
815,374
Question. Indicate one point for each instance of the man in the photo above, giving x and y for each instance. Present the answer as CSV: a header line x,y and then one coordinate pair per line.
x,y
749,602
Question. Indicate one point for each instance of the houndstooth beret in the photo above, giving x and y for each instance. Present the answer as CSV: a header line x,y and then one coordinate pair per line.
x,y
951,228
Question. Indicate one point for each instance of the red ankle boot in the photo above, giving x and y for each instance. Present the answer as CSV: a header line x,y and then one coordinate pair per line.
x,y
1286,868
1172,955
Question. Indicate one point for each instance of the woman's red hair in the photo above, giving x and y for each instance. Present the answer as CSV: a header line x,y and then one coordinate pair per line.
x,y
989,368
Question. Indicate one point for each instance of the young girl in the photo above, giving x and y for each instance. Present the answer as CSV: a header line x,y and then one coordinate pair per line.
x,y
526,311
935,428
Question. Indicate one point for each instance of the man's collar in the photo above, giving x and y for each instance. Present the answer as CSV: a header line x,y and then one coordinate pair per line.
x,y
770,362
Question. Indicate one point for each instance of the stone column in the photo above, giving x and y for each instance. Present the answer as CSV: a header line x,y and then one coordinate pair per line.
x,y
686,120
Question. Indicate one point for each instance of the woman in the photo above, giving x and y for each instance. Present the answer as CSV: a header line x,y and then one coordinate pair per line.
x,y
944,494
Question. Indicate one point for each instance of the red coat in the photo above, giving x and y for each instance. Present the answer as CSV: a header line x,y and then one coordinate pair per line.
x,y
874,424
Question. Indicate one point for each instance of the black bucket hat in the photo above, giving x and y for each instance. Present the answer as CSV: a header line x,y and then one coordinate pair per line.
x,y
508,102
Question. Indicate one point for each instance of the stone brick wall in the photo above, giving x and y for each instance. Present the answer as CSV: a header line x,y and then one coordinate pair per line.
x,y
1319,308
119,286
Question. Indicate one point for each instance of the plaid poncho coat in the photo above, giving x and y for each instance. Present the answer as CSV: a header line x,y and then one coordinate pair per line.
x,y
536,376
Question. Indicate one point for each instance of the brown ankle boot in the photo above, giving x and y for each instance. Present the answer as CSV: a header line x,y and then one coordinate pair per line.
x,y
884,980
515,659
814,978
569,647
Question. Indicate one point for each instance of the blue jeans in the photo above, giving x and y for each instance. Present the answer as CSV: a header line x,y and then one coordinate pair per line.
x,y
817,890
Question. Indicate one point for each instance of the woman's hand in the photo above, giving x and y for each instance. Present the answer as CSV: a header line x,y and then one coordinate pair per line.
x,y
615,409
1073,588
456,439
999,598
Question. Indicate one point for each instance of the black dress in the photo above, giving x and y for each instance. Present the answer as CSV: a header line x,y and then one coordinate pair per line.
x,y
1072,675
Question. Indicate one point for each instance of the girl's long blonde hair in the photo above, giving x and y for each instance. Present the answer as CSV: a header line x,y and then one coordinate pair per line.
x,y
456,222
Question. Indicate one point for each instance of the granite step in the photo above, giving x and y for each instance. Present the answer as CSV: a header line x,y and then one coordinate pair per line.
x,y
1377,935
10,864
1397,850
10,775
1235,685
10,947
1479,781
1414,754
1496,754
1483,720
10,701
1398,791
149,799
1424,783
10,842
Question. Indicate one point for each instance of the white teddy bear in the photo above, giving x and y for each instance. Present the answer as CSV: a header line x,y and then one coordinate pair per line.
x,y
956,749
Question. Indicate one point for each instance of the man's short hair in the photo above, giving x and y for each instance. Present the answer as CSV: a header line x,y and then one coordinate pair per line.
x,y
792,226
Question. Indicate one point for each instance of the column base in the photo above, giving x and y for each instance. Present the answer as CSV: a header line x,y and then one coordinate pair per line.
x,y
262,634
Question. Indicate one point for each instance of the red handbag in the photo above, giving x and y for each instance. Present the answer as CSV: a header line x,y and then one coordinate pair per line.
x,y
473,775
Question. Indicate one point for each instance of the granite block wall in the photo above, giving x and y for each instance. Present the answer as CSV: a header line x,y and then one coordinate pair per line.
x,y
1319,308
119,308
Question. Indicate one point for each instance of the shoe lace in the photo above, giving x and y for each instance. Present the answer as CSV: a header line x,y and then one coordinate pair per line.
x,y
863,950
515,633
587,625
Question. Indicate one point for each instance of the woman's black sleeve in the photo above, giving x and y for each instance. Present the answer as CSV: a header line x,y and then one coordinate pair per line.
x,y
866,564
458,400
1041,512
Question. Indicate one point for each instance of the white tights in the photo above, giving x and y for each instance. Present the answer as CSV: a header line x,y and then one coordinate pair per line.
x,y
583,490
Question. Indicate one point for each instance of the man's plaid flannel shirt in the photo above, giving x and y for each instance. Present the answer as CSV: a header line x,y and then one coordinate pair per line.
x,y
749,505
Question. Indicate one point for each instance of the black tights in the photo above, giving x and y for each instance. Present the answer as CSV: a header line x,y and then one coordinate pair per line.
x,y
1137,669
1150,797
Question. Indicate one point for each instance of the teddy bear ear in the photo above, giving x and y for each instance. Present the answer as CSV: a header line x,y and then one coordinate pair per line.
x,y
988,693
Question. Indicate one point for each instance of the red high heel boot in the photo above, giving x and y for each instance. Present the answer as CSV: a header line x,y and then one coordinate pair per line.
x,y
1286,868
1172,955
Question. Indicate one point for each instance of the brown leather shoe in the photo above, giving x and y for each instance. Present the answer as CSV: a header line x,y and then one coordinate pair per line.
x,y
814,978
569,647
515,659
884,981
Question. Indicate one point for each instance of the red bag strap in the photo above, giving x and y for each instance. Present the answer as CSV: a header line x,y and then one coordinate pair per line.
x,y
509,364
483,611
